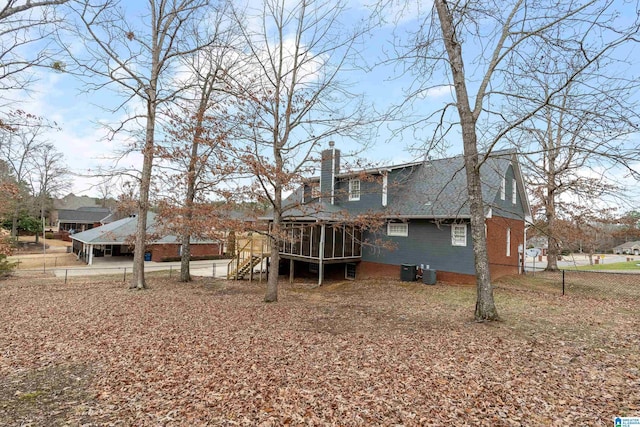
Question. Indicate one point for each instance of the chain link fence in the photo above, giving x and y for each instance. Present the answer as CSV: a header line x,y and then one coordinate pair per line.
x,y
599,284
115,274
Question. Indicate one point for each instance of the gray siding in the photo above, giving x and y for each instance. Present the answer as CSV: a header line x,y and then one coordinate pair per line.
x,y
506,208
371,191
427,243
370,195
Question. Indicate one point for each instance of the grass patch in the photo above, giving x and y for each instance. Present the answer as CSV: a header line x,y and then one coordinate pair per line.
x,y
31,395
616,266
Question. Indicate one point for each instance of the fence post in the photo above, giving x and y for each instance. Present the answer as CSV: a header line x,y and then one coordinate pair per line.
x,y
124,277
65,275
170,271
213,270
562,282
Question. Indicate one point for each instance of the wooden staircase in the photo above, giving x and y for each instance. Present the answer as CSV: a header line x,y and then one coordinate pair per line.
x,y
252,253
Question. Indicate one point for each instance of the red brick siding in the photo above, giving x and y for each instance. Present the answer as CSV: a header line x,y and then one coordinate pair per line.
x,y
499,263
158,252
368,270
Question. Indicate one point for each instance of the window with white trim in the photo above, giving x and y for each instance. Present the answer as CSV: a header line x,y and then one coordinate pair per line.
x,y
459,235
508,242
398,229
514,191
503,189
354,189
315,191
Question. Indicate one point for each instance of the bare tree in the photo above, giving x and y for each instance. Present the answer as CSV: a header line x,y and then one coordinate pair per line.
x,y
49,178
577,143
20,149
142,63
198,138
293,97
481,48
25,42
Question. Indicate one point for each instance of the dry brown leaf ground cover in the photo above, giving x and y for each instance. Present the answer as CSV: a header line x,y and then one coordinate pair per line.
x,y
353,353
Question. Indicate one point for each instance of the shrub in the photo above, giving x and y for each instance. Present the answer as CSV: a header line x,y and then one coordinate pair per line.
x,y
6,267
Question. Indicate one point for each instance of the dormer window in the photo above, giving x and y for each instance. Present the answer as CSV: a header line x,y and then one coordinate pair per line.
x,y
503,189
514,192
315,191
354,189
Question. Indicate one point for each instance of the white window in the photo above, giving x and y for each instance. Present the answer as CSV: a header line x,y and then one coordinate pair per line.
x,y
354,189
514,191
315,191
508,242
459,235
503,190
385,180
398,229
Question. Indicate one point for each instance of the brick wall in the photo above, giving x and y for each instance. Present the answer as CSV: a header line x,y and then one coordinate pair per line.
x,y
158,252
370,270
500,264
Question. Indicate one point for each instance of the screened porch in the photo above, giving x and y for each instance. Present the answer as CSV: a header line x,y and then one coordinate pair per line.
x,y
321,242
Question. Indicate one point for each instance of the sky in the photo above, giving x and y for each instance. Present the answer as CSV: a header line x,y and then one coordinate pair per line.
x,y
80,113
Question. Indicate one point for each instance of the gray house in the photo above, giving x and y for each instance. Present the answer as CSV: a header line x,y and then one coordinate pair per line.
x,y
378,222
81,219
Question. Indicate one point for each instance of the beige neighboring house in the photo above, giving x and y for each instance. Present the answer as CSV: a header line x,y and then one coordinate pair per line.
x,y
628,248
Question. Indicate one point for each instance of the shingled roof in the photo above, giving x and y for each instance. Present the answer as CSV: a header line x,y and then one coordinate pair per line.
x,y
83,215
438,188
122,231
429,189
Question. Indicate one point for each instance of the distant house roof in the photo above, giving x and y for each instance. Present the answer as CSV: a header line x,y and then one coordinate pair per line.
x,y
85,215
629,245
122,232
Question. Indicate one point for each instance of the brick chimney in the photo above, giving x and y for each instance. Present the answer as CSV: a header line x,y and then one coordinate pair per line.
x,y
329,168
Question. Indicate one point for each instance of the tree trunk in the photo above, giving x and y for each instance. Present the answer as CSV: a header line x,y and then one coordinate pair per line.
x,y
14,224
138,279
553,246
485,305
274,262
185,259
275,236
185,275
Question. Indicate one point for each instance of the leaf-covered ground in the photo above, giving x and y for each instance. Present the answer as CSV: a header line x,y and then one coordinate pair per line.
x,y
353,353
